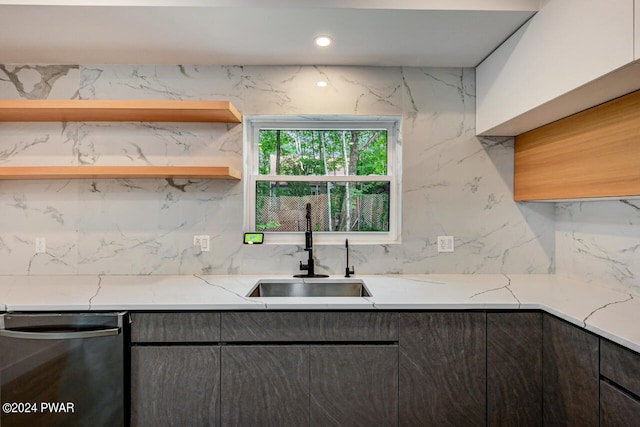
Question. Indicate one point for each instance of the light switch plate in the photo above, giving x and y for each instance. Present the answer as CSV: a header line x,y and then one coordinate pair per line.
x,y
202,241
41,245
445,244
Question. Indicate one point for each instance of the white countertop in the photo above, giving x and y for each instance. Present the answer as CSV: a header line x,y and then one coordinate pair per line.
x,y
610,313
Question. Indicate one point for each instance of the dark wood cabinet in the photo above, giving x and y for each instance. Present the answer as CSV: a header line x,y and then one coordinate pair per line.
x,y
354,385
570,374
175,327
617,408
316,368
298,385
265,385
317,326
175,385
443,369
620,386
174,382
514,369
314,380
620,365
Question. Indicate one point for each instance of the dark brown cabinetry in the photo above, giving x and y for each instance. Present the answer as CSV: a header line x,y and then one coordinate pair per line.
x,y
620,385
570,374
265,368
175,327
315,326
617,408
309,377
514,369
443,369
620,365
354,385
470,368
298,385
265,385
173,381
175,385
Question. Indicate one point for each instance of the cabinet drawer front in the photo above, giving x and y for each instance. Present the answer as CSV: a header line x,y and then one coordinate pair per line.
x,y
620,365
175,327
309,326
175,385
617,408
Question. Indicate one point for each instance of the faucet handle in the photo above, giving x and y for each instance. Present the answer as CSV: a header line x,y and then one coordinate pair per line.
x,y
349,272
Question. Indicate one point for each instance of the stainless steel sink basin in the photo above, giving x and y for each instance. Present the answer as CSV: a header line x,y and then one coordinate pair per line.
x,y
310,288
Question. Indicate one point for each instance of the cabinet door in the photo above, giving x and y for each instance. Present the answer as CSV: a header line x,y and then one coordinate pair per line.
x,y
354,385
443,369
570,374
620,365
550,61
175,327
177,386
309,326
265,385
617,409
514,369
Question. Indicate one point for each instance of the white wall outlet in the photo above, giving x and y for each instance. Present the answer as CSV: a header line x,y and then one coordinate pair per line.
x,y
445,244
202,241
41,245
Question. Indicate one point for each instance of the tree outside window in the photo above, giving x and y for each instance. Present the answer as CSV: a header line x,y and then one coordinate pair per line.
x,y
344,169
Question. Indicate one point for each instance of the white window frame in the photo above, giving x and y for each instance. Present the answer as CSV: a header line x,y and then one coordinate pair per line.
x,y
252,127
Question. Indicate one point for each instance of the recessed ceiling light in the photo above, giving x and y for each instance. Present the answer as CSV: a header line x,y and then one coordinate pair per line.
x,y
322,83
322,41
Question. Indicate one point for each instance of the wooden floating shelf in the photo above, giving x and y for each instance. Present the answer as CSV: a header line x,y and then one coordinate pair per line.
x,y
117,172
122,110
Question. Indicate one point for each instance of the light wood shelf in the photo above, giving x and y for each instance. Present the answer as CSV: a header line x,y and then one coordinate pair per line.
x,y
48,110
106,172
75,110
592,154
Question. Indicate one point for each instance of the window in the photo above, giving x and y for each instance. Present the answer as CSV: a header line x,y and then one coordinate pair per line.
x,y
348,169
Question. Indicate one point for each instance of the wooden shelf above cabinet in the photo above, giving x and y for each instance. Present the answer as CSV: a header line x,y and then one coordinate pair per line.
x,y
589,155
122,110
118,172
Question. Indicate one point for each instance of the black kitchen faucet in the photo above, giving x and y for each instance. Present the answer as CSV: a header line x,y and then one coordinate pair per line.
x,y
309,267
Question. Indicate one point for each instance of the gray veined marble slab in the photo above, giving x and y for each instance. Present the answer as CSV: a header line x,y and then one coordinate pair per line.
x,y
611,313
453,182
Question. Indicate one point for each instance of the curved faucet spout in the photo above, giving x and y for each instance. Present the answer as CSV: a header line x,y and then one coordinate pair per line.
x,y
309,267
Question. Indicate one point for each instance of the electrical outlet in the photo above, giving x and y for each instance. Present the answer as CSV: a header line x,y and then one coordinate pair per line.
x,y
41,245
445,244
202,241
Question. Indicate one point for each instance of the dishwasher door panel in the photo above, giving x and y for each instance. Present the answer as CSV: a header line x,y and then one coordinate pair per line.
x,y
62,370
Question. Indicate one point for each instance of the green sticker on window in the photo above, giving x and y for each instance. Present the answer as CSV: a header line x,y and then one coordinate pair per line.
x,y
253,238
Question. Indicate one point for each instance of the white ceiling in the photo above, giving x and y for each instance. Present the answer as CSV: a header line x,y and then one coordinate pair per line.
x,y
434,33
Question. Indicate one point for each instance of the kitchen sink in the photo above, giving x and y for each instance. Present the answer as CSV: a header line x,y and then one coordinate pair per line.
x,y
310,288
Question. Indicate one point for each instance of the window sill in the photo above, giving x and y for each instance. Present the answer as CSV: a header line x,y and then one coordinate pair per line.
x,y
331,238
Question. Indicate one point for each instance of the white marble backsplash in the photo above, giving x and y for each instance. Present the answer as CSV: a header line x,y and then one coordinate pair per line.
x,y
453,182
599,241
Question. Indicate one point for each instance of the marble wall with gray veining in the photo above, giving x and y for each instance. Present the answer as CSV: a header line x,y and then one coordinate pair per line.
x,y
600,241
453,182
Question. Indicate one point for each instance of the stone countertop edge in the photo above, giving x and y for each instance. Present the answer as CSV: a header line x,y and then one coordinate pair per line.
x,y
609,312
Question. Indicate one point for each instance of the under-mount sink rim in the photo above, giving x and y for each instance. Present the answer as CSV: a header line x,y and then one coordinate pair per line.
x,y
364,291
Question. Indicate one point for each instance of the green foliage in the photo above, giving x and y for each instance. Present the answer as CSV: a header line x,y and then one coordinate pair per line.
x,y
268,225
308,152
287,152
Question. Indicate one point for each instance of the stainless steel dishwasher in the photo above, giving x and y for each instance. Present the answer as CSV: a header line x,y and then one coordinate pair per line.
x,y
63,369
